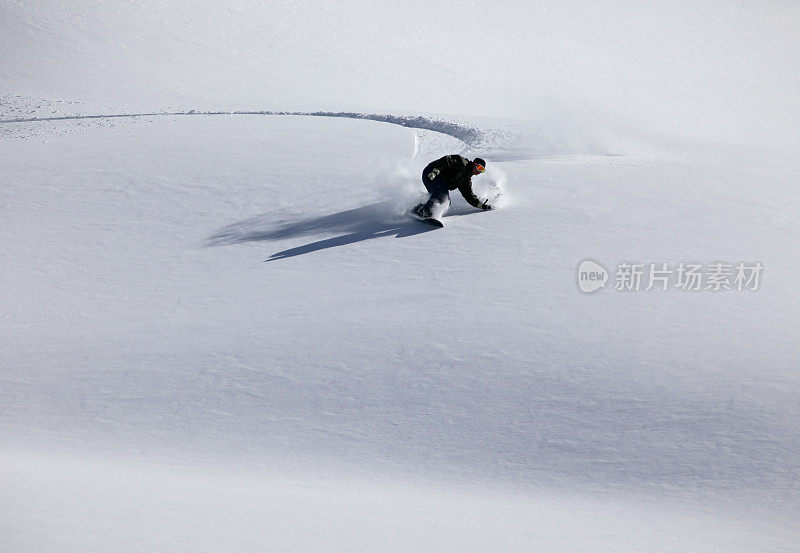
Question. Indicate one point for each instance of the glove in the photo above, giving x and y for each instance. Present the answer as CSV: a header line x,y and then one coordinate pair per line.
x,y
485,205
433,174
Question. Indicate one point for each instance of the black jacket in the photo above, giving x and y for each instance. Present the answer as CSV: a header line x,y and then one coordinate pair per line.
x,y
457,173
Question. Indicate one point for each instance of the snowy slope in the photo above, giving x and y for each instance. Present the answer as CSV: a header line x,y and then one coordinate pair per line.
x,y
702,69
222,334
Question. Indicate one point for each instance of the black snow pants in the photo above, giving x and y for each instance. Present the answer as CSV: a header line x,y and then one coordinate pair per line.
x,y
437,188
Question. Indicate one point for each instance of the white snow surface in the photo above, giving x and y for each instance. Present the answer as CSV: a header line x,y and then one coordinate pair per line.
x,y
221,332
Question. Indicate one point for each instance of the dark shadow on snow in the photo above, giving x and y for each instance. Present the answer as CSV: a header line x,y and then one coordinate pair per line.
x,y
355,225
406,229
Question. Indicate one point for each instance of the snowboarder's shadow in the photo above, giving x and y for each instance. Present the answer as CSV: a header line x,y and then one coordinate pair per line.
x,y
354,225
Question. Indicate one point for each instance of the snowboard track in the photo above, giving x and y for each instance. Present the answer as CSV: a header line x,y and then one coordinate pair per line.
x,y
471,136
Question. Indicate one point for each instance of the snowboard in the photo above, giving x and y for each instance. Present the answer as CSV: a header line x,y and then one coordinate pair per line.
x,y
436,223
425,220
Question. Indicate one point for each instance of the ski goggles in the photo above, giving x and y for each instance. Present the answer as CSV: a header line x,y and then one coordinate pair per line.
x,y
479,168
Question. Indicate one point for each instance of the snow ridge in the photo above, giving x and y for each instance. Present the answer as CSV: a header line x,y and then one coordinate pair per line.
x,y
467,134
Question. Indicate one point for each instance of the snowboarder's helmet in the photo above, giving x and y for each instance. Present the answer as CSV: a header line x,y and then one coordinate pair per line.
x,y
479,165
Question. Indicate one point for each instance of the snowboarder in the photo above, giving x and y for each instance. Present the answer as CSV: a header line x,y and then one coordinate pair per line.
x,y
445,174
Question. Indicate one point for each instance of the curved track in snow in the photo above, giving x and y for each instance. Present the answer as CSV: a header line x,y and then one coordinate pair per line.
x,y
469,135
